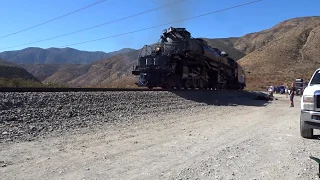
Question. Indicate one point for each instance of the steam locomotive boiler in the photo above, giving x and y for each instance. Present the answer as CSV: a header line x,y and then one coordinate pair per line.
x,y
181,61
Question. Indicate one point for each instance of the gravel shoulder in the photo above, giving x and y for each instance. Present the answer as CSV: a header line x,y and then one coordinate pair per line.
x,y
241,139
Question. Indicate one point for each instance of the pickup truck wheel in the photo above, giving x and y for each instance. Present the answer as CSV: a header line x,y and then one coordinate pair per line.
x,y
304,131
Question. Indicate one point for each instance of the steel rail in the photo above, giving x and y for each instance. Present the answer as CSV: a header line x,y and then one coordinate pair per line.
x,y
44,89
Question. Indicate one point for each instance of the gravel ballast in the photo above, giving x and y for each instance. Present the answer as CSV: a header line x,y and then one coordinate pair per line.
x,y
26,116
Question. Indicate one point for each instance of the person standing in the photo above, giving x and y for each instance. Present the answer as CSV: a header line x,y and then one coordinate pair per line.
x,y
292,91
271,90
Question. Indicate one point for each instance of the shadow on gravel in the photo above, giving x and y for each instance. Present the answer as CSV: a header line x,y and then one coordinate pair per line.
x,y
315,137
226,98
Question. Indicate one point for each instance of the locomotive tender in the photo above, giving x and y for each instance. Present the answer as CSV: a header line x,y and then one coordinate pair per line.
x,y
181,61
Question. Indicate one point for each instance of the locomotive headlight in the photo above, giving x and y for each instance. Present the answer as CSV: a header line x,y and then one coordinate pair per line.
x,y
158,49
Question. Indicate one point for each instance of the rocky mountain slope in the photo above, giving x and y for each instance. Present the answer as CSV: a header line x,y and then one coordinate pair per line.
x,y
282,53
10,70
4,62
57,73
110,72
13,75
57,56
44,63
68,72
43,71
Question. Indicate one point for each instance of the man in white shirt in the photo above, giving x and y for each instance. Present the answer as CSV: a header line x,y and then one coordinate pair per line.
x,y
271,90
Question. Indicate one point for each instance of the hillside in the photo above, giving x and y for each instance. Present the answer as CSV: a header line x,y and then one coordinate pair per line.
x,y
45,71
57,56
4,62
110,72
9,70
287,51
12,75
66,73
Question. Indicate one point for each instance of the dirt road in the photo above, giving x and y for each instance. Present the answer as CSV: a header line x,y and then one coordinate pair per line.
x,y
201,142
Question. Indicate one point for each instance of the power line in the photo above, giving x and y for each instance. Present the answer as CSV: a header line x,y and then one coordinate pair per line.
x,y
163,24
59,17
99,25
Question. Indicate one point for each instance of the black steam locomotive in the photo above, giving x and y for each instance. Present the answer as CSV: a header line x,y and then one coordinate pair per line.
x,y
181,61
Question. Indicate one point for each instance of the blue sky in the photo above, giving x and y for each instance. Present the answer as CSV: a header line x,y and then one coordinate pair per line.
x,y
16,15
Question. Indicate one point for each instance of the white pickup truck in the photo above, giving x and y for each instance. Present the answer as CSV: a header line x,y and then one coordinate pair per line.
x,y
310,107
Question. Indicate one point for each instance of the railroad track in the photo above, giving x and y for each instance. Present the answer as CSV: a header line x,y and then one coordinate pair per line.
x,y
19,89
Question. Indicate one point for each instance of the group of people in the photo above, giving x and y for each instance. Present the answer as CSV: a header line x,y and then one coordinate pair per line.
x,y
291,93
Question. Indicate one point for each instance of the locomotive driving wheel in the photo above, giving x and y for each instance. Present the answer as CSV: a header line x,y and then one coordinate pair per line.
x,y
187,83
179,85
204,82
195,83
201,84
222,86
168,85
